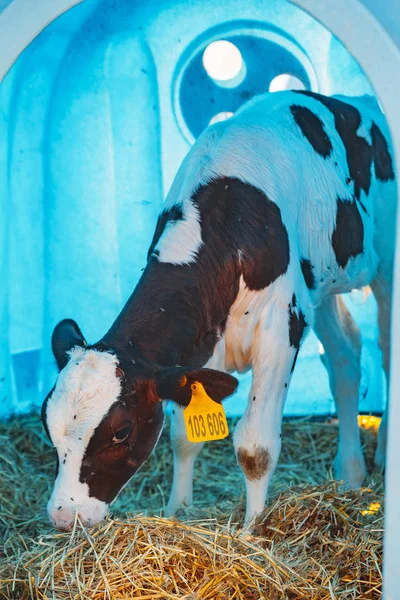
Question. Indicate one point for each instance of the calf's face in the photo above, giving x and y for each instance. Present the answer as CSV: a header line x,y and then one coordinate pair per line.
x,y
104,417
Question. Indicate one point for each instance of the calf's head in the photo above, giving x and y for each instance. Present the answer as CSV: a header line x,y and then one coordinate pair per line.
x,y
104,417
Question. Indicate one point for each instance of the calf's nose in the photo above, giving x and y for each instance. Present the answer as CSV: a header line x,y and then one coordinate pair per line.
x,y
62,518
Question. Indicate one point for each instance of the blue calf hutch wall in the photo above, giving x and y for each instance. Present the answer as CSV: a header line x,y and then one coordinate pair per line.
x,y
96,116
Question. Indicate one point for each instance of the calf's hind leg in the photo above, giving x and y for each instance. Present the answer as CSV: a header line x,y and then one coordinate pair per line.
x,y
340,338
382,290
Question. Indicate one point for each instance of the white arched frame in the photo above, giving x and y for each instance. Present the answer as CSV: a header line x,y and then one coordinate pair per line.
x,y
358,26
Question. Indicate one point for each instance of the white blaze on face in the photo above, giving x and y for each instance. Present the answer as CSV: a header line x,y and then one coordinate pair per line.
x,y
85,391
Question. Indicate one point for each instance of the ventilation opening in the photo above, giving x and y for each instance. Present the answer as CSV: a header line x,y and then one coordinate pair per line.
x,y
286,81
221,116
220,75
224,63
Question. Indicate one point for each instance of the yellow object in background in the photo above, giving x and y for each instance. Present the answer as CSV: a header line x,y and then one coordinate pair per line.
x,y
369,422
373,508
205,419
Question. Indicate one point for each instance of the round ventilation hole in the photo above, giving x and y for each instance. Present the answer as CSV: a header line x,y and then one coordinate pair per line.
x,y
223,62
286,81
221,116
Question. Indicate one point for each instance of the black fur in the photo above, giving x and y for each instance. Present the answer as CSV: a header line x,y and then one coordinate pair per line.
x,y
297,326
43,415
382,159
175,383
348,236
65,336
243,234
313,129
295,360
358,151
106,467
244,219
43,412
307,270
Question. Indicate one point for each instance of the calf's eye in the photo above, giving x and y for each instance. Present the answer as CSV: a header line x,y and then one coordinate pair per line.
x,y
122,434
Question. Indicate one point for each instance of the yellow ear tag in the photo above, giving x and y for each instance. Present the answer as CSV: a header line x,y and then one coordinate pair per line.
x,y
205,419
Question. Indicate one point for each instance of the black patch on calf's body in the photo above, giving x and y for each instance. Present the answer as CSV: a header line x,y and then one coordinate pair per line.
x,y
313,129
382,159
255,229
348,236
307,270
295,360
297,325
358,151
243,234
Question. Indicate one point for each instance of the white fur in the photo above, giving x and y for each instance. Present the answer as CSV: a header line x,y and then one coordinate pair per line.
x,y
263,145
85,391
181,240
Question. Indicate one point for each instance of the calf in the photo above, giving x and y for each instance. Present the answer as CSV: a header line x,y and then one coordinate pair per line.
x,y
271,216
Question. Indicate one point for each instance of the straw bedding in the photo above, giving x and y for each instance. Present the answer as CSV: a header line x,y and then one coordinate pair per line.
x,y
314,540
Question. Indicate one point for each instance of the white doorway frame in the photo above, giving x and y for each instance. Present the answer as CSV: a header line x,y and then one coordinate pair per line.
x,y
379,56
378,53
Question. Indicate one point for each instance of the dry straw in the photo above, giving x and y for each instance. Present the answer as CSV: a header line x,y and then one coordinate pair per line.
x,y
313,541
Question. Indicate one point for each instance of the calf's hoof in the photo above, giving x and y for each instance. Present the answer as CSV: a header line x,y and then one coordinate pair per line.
x,y
175,507
170,511
351,470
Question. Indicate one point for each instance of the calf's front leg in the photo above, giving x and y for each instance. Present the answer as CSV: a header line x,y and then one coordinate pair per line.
x,y
185,454
257,438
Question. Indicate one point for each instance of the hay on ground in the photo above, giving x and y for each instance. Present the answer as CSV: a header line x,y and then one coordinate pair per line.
x,y
314,540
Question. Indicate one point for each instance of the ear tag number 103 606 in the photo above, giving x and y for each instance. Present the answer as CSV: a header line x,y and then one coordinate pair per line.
x,y
205,419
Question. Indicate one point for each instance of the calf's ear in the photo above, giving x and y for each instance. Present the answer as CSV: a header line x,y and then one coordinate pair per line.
x,y
175,384
65,336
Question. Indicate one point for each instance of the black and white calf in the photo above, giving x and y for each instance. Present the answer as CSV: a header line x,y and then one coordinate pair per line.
x,y
271,215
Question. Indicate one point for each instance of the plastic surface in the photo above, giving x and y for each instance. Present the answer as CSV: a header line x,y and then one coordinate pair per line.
x,y
98,113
